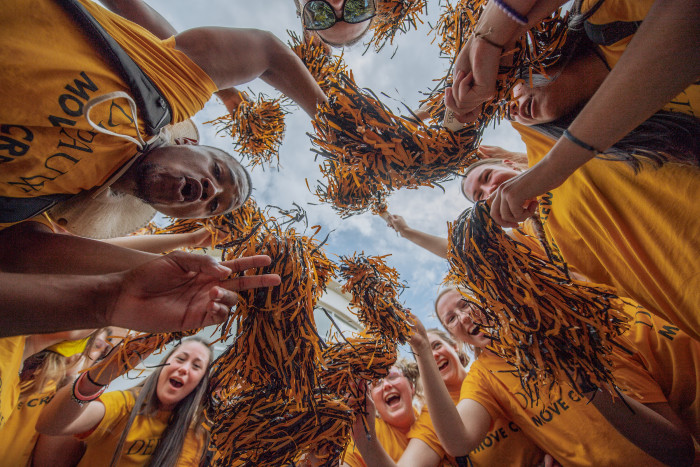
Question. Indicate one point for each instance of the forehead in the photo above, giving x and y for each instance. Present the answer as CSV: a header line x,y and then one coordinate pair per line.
x,y
448,301
433,337
194,350
471,182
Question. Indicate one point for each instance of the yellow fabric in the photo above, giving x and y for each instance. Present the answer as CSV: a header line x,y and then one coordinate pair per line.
x,y
142,439
69,348
42,219
673,360
18,436
504,444
568,428
687,101
392,440
638,233
50,70
11,352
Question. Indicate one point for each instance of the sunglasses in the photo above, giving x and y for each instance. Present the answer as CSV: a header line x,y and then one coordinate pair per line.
x,y
319,14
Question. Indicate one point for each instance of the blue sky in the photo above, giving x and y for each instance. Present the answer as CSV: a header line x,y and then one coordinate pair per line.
x,y
411,70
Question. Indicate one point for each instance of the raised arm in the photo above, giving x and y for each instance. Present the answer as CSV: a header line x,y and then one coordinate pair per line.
x,y
64,416
460,429
235,56
432,243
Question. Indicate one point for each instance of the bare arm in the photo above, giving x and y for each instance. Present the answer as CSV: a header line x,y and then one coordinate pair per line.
x,y
64,416
235,56
432,243
163,243
142,14
654,428
180,291
33,248
460,429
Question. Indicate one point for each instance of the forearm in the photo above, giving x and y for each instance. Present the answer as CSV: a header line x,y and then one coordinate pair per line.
x,y
40,303
660,61
153,243
447,422
31,248
288,74
647,429
432,243
373,452
142,14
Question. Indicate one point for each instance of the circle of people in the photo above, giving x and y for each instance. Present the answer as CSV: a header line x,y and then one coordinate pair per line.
x,y
612,141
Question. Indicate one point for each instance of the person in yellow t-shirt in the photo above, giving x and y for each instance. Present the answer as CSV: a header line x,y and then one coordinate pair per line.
x,y
608,223
393,399
616,108
159,423
572,430
504,444
42,374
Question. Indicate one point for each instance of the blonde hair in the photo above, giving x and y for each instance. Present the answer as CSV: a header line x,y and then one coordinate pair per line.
x,y
490,161
463,357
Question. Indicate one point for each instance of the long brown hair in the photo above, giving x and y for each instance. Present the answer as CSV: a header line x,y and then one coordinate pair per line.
x,y
187,414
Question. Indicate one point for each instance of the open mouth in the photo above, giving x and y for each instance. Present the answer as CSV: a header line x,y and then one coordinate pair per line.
x,y
191,190
393,400
475,330
175,383
443,365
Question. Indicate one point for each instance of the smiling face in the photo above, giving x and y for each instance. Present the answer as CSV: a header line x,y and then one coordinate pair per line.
x,y
461,319
483,180
447,359
341,33
183,371
393,398
188,181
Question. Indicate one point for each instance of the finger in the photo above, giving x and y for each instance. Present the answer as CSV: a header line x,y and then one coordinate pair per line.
x,y
216,314
223,296
191,263
248,262
451,104
251,282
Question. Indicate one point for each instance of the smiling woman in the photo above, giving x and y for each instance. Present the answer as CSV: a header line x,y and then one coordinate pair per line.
x,y
157,423
337,23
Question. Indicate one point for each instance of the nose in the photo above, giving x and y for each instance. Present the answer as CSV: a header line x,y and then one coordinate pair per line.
x,y
337,7
464,316
209,189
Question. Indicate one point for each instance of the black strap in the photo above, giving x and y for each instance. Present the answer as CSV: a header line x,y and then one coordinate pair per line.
x,y
153,107
20,209
609,33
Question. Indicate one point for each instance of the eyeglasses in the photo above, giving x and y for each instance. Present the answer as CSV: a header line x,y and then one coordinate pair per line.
x,y
319,14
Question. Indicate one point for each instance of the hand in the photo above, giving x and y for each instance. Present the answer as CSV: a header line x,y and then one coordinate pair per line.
x,y
516,199
474,79
397,223
419,338
181,291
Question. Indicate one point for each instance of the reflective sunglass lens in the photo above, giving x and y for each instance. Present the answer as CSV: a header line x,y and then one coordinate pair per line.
x,y
318,15
357,11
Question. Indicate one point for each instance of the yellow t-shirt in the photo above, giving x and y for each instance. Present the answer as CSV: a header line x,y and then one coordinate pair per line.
x,y
637,233
391,438
673,359
568,428
142,440
50,70
18,436
688,101
11,352
504,444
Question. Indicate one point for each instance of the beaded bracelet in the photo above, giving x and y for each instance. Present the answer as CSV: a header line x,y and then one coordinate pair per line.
x,y
81,399
578,142
512,14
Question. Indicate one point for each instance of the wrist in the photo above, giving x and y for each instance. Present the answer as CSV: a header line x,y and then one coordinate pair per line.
x,y
105,291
